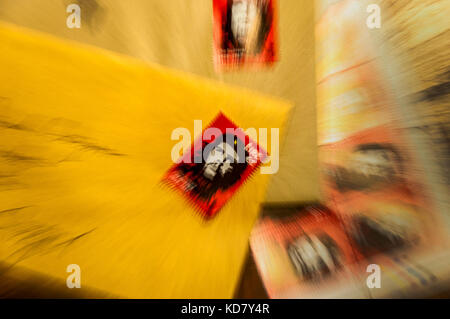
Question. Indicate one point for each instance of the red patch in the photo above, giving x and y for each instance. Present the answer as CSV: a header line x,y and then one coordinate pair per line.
x,y
215,167
244,33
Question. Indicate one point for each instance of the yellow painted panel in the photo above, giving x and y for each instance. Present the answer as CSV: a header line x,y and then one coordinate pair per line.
x,y
84,140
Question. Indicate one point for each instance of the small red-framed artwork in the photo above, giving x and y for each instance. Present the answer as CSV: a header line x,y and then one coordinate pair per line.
x,y
244,33
217,164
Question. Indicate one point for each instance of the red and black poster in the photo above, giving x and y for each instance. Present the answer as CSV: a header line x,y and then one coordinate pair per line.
x,y
216,166
244,33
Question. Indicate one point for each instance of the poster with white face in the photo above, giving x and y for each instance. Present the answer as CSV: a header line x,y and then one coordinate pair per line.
x,y
244,33
377,119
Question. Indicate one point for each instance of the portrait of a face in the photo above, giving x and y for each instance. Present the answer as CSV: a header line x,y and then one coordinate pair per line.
x,y
225,159
215,166
220,161
385,228
369,167
315,256
244,32
243,18
375,160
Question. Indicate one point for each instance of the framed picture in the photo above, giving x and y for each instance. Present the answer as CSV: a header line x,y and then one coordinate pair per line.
x,y
244,33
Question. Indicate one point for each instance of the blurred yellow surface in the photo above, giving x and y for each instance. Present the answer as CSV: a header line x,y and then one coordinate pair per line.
x,y
84,141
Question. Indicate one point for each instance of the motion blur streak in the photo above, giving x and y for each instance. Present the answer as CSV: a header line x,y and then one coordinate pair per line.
x,y
85,141
86,117
383,132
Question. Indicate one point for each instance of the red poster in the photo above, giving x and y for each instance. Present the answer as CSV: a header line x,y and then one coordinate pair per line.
x,y
244,33
216,166
305,255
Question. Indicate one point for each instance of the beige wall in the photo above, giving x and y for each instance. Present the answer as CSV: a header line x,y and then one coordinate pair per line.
x,y
178,34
